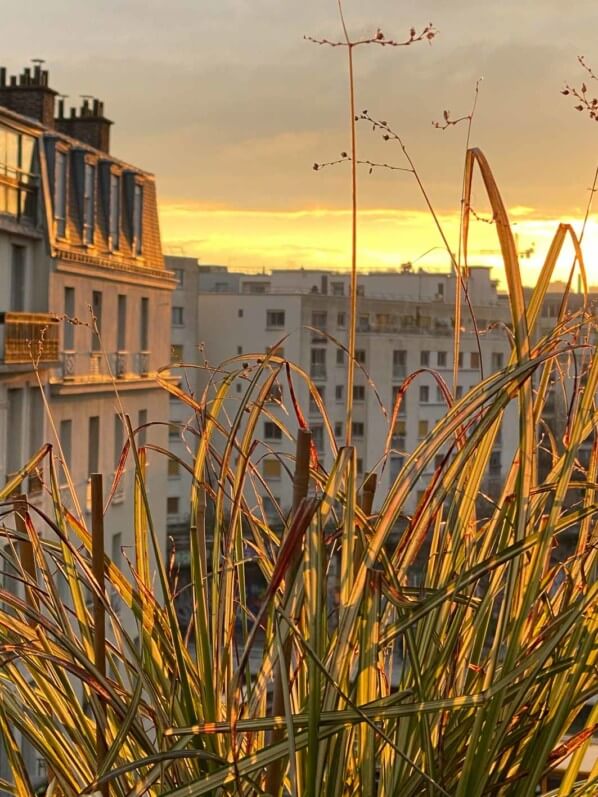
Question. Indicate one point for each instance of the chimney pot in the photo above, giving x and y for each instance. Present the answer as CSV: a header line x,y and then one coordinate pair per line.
x,y
73,113
13,80
2,76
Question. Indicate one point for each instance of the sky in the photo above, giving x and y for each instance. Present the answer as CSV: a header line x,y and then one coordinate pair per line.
x,y
229,105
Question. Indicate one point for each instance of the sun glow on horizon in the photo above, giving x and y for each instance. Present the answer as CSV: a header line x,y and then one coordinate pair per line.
x,y
256,240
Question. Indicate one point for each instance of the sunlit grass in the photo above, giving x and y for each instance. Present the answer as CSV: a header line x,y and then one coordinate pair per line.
x,y
457,658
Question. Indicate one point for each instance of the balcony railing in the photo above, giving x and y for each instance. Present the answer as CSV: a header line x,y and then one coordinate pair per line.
x,y
28,337
95,365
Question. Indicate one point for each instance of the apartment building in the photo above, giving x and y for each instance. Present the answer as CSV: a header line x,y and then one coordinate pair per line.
x,y
405,323
85,300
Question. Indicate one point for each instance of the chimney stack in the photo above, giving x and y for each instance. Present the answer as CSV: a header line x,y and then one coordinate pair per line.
x,y
29,93
87,124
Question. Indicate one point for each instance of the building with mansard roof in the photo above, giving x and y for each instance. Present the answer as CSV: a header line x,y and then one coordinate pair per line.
x,y
84,302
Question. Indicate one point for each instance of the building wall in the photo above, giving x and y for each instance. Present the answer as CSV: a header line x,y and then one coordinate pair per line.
x,y
237,322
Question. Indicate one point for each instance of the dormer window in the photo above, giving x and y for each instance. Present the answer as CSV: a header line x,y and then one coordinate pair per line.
x,y
137,241
89,184
60,187
114,211
133,197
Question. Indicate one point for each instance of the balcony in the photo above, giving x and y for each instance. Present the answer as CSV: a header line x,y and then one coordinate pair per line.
x,y
96,366
27,338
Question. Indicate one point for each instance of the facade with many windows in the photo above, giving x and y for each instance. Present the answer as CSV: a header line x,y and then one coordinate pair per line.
x,y
404,325
84,304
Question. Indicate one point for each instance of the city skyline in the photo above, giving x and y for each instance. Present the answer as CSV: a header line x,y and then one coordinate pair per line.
x,y
230,107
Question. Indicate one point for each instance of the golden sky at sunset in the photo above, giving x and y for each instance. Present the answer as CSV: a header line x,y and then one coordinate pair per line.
x,y
387,238
229,106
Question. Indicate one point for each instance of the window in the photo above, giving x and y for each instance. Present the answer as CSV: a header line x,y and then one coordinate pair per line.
x,y
399,363
274,319
60,186
341,320
14,422
360,356
319,319
317,435
172,505
424,394
18,175
66,441
93,445
358,428
137,219
17,278
69,312
318,363
424,358
179,276
459,392
313,407
114,212
174,468
119,436
474,359
173,431
396,463
497,360
440,290
338,429
339,392
272,431
271,469
340,356
121,333
359,465
423,428
460,360
338,289
271,506
399,433
495,463
144,324
89,185
176,353
403,405
96,309
363,323
441,359
142,426
240,312
358,393
177,316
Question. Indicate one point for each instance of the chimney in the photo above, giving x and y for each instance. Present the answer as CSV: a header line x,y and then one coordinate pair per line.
x,y
29,93
87,124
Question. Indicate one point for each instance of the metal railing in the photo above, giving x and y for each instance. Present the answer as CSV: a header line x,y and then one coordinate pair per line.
x,y
29,337
95,365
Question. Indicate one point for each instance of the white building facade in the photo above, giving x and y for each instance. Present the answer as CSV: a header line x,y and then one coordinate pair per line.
x,y
405,323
